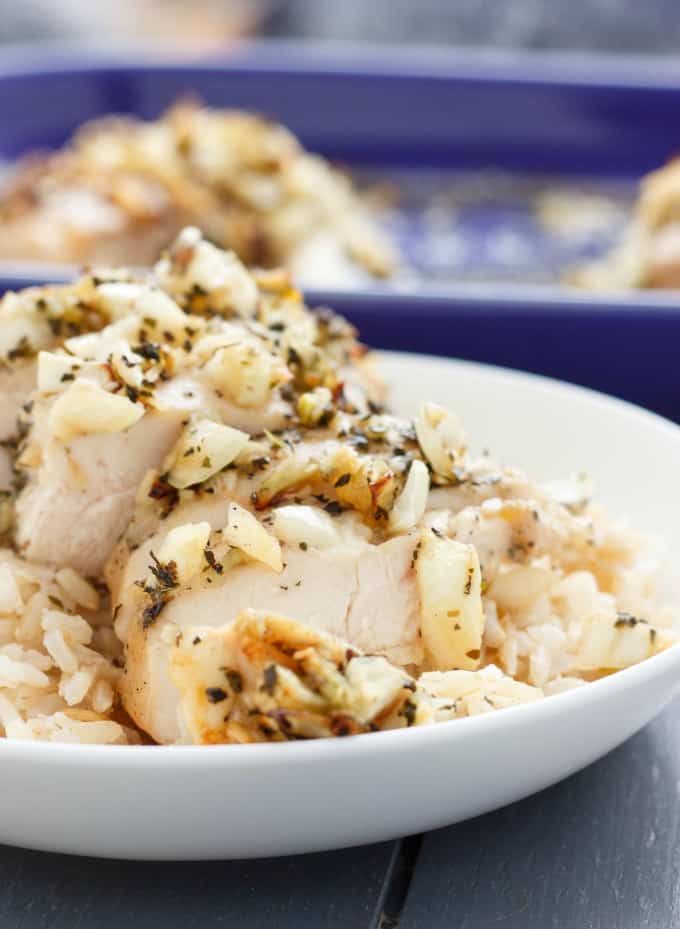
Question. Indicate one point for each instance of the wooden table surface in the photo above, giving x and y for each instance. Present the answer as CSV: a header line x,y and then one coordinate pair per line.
x,y
599,851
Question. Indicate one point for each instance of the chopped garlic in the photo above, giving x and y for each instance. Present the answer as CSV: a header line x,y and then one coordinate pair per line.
x,y
161,315
517,588
304,525
21,327
450,590
185,546
441,438
611,642
85,408
204,448
216,272
313,406
118,298
410,505
56,372
97,346
244,532
245,372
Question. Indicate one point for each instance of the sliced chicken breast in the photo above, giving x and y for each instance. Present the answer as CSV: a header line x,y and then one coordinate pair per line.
x,y
81,497
266,678
307,537
365,594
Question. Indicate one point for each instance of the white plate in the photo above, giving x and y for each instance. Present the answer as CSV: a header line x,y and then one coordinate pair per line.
x,y
246,801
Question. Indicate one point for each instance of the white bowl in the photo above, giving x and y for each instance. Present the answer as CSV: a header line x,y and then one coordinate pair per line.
x,y
247,801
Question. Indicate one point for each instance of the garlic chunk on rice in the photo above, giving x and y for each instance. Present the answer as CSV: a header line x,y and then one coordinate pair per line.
x,y
608,642
518,588
441,438
410,505
451,612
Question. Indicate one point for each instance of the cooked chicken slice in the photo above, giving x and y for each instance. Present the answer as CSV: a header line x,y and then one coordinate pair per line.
x,y
122,189
80,498
268,678
363,593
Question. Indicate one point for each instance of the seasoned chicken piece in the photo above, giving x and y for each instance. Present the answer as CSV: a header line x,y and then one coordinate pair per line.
x,y
648,255
80,497
365,594
112,404
266,678
122,189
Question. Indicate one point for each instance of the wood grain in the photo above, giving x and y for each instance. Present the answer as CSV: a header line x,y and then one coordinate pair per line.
x,y
599,851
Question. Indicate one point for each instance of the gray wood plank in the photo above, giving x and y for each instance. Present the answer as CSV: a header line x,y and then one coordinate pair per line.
x,y
335,890
599,851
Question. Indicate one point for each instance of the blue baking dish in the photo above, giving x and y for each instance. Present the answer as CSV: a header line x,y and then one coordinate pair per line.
x,y
421,113
491,132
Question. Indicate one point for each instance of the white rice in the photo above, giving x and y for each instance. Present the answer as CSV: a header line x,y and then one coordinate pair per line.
x,y
58,666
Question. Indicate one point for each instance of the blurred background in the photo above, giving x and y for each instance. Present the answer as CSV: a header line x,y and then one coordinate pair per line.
x,y
587,25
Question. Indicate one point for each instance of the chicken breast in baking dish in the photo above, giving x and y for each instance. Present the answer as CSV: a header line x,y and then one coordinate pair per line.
x,y
199,341
648,254
122,189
